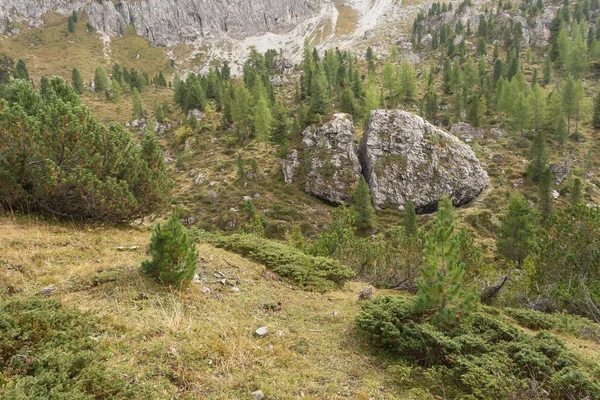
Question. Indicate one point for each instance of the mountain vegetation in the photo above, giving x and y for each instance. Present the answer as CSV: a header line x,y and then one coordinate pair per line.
x,y
213,171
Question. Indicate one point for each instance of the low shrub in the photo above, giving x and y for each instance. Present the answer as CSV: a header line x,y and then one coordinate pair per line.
x,y
568,323
48,351
308,272
485,359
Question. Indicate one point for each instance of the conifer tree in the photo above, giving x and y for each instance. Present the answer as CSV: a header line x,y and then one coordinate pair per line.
x,y
410,218
348,102
547,70
388,80
241,111
100,79
538,157
545,194
364,212
280,125
561,131
576,193
138,108
74,16
174,257
44,86
70,24
115,90
407,81
320,101
77,81
516,239
262,121
21,70
440,288
371,101
596,115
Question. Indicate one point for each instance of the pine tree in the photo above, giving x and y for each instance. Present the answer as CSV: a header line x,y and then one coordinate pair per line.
x,y
547,71
44,86
431,104
348,102
410,219
516,239
70,24
363,208
561,131
577,192
545,194
21,70
440,289
596,116
280,125
407,81
262,121
388,80
77,81
115,90
371,101
174,257
241,111
100,79
74,16
320,101
138,108
538,157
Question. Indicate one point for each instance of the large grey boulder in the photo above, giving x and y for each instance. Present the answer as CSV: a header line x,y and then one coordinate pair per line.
x,y
404,157
333,167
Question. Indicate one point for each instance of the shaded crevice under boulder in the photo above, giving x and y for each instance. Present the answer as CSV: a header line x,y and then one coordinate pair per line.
x,y
331,159
404,157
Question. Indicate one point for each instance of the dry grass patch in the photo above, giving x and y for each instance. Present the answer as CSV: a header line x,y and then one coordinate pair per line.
x,y
190,343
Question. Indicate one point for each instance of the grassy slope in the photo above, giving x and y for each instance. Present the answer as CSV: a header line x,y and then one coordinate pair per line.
x,y
190,343
197,345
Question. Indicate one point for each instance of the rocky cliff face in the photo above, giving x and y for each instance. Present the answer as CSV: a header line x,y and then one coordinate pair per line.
x,y
168,22
405,157
331,159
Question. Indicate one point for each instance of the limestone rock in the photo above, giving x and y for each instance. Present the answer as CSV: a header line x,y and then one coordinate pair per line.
x,y
497,132
560,172
195,113
279,80
334,166
257,395
289,165
404,157
262,331
466,132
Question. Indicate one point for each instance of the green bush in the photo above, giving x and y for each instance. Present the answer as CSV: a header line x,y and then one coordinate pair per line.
x,y
174,256
57,159
487,359
573,324
309,272
48,351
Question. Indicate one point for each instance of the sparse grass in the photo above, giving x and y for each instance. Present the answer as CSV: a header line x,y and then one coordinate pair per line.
x,y
189,343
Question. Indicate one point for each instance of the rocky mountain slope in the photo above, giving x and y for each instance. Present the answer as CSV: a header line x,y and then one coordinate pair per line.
x,y
226,30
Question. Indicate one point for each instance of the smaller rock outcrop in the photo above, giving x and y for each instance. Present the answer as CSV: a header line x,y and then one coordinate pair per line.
x,y
289,165
331,159
404,157
466,131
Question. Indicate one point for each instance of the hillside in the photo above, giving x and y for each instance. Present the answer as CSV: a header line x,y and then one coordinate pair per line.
x,y
175,175
194,344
